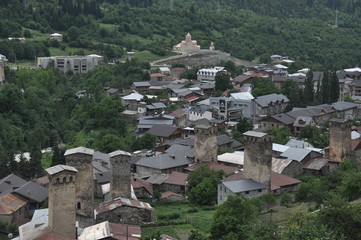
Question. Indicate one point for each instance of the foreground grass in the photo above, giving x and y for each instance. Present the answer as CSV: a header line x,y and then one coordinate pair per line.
x,y
177,219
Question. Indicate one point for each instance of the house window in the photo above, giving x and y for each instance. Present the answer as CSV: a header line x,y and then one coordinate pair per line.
x,y
78,206
246,192
259,190
225,189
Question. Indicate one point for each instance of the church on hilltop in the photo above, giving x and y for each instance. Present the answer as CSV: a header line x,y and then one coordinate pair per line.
x,y
188,45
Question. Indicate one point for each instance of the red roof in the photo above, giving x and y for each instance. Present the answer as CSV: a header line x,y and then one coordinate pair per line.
x,y
178,113
178,69
157,75
259,75
124,232
213,166
279,180
191,98
119,202
168,194
140,183
355,144
10,203
177,178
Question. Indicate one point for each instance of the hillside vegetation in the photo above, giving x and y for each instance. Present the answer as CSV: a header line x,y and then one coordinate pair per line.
x,y
248,29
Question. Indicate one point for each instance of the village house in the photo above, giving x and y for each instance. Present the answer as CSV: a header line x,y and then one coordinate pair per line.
x,y
141,87
146,122
209,74
199,112
175,158
124,211
270,104
165,132
176,182
180,117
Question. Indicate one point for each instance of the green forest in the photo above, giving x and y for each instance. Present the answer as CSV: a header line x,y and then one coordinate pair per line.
x,y
305,30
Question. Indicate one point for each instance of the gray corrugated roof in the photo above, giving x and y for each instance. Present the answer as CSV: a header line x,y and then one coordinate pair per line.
x,y
141,84
297,154
244,185
298,143
175,156
224,139
266,100
60,168
159,105
339,106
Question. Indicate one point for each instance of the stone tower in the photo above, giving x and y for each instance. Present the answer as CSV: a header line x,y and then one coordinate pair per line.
x,y
205,143
61,200
188,37
258,157
81,158
120,185
340,139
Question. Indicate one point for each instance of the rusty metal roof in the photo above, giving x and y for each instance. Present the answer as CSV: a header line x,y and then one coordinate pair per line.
x,y
177,178
119,202
10,203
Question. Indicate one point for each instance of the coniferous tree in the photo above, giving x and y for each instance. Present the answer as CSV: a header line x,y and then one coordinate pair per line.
x,y
334,88
325,87
308,92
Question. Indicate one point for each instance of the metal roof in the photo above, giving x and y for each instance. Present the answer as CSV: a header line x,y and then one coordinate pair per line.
x,y
234,158
177,178
36,227
119,152
83,150
279,164
254,134
59,168
339,106
302,121
243,185
279,147
162,130
33,191
10,203
266,100
297,154
141,84
119,202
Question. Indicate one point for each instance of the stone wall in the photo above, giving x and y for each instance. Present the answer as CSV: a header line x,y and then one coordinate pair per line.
x,y
340,139
62,208
205,143
120,185
126,215
81,158
258,157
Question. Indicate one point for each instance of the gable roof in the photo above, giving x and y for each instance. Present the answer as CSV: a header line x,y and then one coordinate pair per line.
x,y
339,106
141,84
297,154
278,181
177,178
244,185
283,118
200,109
302,121
60,168
214,166
178,113
175,156
162,130
119,202
10,203
266,100
33,192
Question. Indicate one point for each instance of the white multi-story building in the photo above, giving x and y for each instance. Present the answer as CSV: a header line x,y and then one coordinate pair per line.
x,y
77,64
209,74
